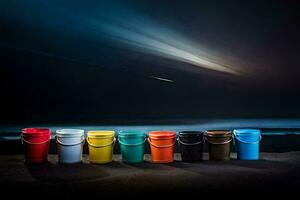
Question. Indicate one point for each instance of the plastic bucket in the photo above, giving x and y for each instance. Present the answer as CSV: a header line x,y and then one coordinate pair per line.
x,y
101,145
132,146
191,145
247,143
69,145
219,144
162,146
36,144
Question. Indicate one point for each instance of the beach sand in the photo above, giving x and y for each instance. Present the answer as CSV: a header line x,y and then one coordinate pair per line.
x,y
274,172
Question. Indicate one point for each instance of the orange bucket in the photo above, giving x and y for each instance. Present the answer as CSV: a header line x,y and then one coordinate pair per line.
x,y
162,146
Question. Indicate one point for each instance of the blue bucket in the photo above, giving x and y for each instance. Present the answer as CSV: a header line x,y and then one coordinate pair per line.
x,y
247,143
132,146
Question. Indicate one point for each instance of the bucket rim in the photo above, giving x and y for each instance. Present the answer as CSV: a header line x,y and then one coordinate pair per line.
x,y
241,132
190,133
69,132
218,133
162,134
33,131
132,133
101,133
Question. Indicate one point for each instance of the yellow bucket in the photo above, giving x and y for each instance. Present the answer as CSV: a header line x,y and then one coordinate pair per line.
x,y
101,145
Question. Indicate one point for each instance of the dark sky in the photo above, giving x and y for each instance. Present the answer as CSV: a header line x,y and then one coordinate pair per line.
x,y
96,61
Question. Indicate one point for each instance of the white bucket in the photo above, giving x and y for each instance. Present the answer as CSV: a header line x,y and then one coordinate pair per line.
x,y
69,145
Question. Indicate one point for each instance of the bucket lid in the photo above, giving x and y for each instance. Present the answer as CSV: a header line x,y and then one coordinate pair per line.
x,y
191,133
162,134
132,133
36,131
218,133
247,131
101,133
69,132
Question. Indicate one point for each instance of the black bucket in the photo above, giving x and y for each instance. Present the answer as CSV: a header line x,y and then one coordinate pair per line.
x,y
218,144
191,145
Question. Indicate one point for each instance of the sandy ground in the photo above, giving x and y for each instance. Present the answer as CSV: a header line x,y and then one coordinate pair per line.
x,y
276,172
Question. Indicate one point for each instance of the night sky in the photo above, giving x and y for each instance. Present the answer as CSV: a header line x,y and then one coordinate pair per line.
x,y
99,61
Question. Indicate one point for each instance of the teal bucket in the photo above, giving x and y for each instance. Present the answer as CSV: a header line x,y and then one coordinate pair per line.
x,y
247,143
132,146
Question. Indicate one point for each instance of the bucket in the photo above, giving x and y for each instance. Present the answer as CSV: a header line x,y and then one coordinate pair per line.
x,y
191,145
101,145
219,144
162,146
132,146
36,144
69,145
247,143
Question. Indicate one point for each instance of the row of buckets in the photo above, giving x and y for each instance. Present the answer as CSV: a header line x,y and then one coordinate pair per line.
x,y
101,143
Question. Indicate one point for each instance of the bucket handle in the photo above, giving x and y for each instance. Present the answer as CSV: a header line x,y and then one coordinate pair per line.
x,y
23,140
100,146
236,137
132,144
165,146
189,144
59,142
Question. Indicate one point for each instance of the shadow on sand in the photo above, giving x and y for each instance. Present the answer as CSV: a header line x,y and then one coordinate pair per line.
x,y
61,173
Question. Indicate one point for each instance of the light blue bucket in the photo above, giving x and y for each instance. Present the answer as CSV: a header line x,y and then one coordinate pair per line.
x,y
69,145
247,143
132,146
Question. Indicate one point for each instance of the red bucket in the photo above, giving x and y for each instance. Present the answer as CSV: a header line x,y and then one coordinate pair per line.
x,y
36,144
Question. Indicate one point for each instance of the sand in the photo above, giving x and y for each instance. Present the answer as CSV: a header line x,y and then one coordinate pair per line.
x,y
274,172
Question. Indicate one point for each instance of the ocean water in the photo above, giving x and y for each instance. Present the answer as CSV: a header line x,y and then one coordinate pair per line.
x,y
267,126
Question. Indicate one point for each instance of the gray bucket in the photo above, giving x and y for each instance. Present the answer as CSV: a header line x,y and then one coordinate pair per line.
x,y
69,145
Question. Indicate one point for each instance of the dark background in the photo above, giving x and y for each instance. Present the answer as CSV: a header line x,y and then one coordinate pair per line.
x,y
52,70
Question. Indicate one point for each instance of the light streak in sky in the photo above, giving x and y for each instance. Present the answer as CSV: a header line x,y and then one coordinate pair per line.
x,y
122,26
161,79
146,37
